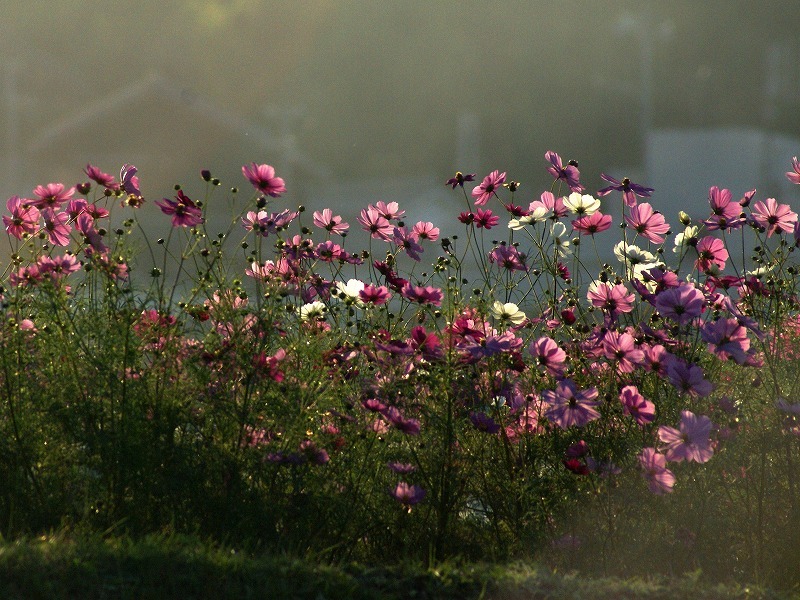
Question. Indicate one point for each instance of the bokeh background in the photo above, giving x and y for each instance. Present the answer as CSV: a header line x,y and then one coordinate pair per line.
x,y
358,101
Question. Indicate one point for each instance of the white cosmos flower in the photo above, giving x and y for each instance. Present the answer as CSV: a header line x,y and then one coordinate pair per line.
x,y
682,239
632,254
349,291
760,271
539,214
560,239
578,204
312,311
508,312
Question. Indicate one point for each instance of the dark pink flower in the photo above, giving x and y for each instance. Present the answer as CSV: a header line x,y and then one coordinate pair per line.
x,y
629,189
691,442
184,212
262,177
483,192
569,407
422,294
569,174
376,295
774,217
591,224
104,179
24,217
647,222
659,478
327,221
485,219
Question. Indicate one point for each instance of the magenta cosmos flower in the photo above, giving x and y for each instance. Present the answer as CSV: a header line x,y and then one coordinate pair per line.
x,y
629,189
569,407
546,353
483,192
459,179
647,222
687,378
660,479
774,217
262,177
635,405
711,253
24,217
621,349
375,224
52,195
725,214
691,442
407,495
613,298
682,304
326,220
104,179
508,257
593,223
569,174
57,227
727,339
185,213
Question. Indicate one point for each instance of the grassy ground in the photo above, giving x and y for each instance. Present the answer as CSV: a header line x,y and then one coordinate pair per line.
x,y
180,567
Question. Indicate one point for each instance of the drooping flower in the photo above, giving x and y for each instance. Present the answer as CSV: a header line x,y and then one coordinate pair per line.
x,y
483,192
660,479
569,407
408,242
104,179
570,174
130,185
691,442
774,217
184,212
262,178
629,189
647,222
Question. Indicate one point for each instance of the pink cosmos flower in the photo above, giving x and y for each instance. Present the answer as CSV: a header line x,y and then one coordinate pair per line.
x,y
546,353
57,227
408,243
591,224
389,211
687,378
691,442
569,174
635,405
327,221
85,224
682,304
425,230
423,295
262,177
24,217
794,174
568,407
130,183
375,224
508,257
407,495
727,338
104,179
660,479
185,213
711,253
52,195
376,295
548,203
774,217
647,222
614,298
629,189
725,214
621,348
483,192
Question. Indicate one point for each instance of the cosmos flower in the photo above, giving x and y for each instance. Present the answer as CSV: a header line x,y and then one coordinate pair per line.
x,y
660,479
570,174
569,407
483,192
647,222
691,442
262,178
774,217
629,189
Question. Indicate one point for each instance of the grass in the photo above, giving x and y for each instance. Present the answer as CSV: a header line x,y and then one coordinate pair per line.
x,y
66,566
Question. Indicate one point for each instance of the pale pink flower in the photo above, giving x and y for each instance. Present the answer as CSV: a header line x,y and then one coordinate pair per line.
x,y
691,442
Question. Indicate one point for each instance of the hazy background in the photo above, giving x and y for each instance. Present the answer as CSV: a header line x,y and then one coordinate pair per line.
x,y
359,101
